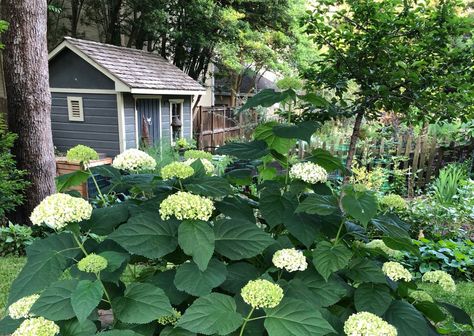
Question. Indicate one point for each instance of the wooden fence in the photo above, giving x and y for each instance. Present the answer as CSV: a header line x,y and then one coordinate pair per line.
x,y
214,126
421,156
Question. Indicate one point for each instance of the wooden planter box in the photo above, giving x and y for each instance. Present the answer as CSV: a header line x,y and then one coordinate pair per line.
x,y
64,167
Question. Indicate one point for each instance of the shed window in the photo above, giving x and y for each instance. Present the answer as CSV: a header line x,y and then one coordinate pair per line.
x,y
176,119
75,109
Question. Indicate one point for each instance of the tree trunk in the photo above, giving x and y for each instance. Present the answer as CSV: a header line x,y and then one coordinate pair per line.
x,y
29,100
354,138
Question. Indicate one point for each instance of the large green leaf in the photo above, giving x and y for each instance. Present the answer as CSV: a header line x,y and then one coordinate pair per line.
x,y
146,234
391,226
323,293
142,303
329,258
238,275
238,239
361,206
212,186
9,325
373,298
85,298
55,302
246,151
431,310
315,99
302,131
47,260
459,315
195,282
322,205
196,238
119,333
279,144
66,181
295,317
165,280
401,244
407,320
303,227
235,207
274,206
75,328
364,270
267,98
170,331
212,314
326,160
105,220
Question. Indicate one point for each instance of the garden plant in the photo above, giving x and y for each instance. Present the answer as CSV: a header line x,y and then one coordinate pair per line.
x,y
288,257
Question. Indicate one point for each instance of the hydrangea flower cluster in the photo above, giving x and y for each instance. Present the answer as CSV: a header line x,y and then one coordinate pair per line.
x,y
290,260
420,296
134,160
58,210
184,205
208,166
365,323
180,170
197,154
378,243
182,143
395,271
262,294
37,326
81,154
393,202
441,278
309,172
21,308
93,263
170,319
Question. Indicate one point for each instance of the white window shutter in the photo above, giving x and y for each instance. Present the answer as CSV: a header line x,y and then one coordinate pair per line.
x,y
75,109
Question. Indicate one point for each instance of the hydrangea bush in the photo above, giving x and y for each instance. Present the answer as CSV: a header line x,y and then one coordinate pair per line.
x,y
289,259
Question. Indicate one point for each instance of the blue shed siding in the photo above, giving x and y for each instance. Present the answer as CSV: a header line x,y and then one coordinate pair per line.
x,y
165,114
99,129
129,112
67,70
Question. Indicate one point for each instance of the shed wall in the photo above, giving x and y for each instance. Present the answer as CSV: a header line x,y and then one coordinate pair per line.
x,y
99,129
130,130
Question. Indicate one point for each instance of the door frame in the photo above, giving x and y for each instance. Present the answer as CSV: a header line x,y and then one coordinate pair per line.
x,y
156,97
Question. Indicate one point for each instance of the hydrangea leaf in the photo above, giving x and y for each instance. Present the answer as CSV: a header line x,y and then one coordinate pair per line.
x,y
212,314
362,206
407,320
170,331
364,270
47,260
148,235
85,298
196,238
164,280
9,325
55,302
326,160
238,275
246,151
141,303
279,144
119,333
373,298
303,130
322,205
211,186
104,220
75,328
239,239
295,317
195,282
329,258
66,181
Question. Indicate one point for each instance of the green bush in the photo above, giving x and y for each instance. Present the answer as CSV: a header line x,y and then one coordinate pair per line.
x,y
285,261
14,239
12,183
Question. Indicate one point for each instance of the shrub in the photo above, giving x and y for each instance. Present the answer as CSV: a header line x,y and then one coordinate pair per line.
x,y
221,261
14,239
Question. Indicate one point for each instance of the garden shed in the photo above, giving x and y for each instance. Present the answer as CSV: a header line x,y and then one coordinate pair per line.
x,y
112,98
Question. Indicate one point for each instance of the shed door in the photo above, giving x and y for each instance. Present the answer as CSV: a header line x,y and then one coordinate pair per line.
x,y
149,116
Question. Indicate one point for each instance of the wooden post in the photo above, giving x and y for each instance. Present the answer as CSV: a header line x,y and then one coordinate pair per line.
x,y
212,128
201,128
429,169
414,168
408,150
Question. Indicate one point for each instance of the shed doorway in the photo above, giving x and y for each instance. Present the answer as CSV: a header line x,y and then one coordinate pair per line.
x,y
148,113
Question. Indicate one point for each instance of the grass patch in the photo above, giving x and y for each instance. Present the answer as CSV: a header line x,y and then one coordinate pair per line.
x,y
9,269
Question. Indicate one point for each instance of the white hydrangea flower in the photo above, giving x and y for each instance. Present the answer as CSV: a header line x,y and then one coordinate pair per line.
x,y
179,170
37,326
420,296
262,293
378,243
170,319
290,260
58,210
309,172
184,205
208,165
134,160
395,271
21,308
368,324
441,278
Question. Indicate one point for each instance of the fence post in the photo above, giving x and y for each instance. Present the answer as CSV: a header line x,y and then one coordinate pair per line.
x,y
201,128
212,128
414,168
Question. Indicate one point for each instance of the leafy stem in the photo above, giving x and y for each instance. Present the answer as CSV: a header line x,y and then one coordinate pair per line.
x,y
246,320
97,186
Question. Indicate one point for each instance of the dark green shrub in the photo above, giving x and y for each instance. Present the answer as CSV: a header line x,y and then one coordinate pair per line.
x,y
14,239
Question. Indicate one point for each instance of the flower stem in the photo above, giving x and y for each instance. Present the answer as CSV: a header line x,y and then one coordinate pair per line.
x,y
97,186
80,245
246,320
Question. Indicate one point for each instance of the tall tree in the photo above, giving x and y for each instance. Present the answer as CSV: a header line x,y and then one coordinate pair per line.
x,y
29,100
412,58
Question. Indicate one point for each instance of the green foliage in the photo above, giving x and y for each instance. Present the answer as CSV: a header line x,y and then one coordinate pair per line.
x,y
12,180
446,185
200,267
14,239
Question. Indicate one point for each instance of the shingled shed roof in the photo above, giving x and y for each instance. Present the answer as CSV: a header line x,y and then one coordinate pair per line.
x,y
140,71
